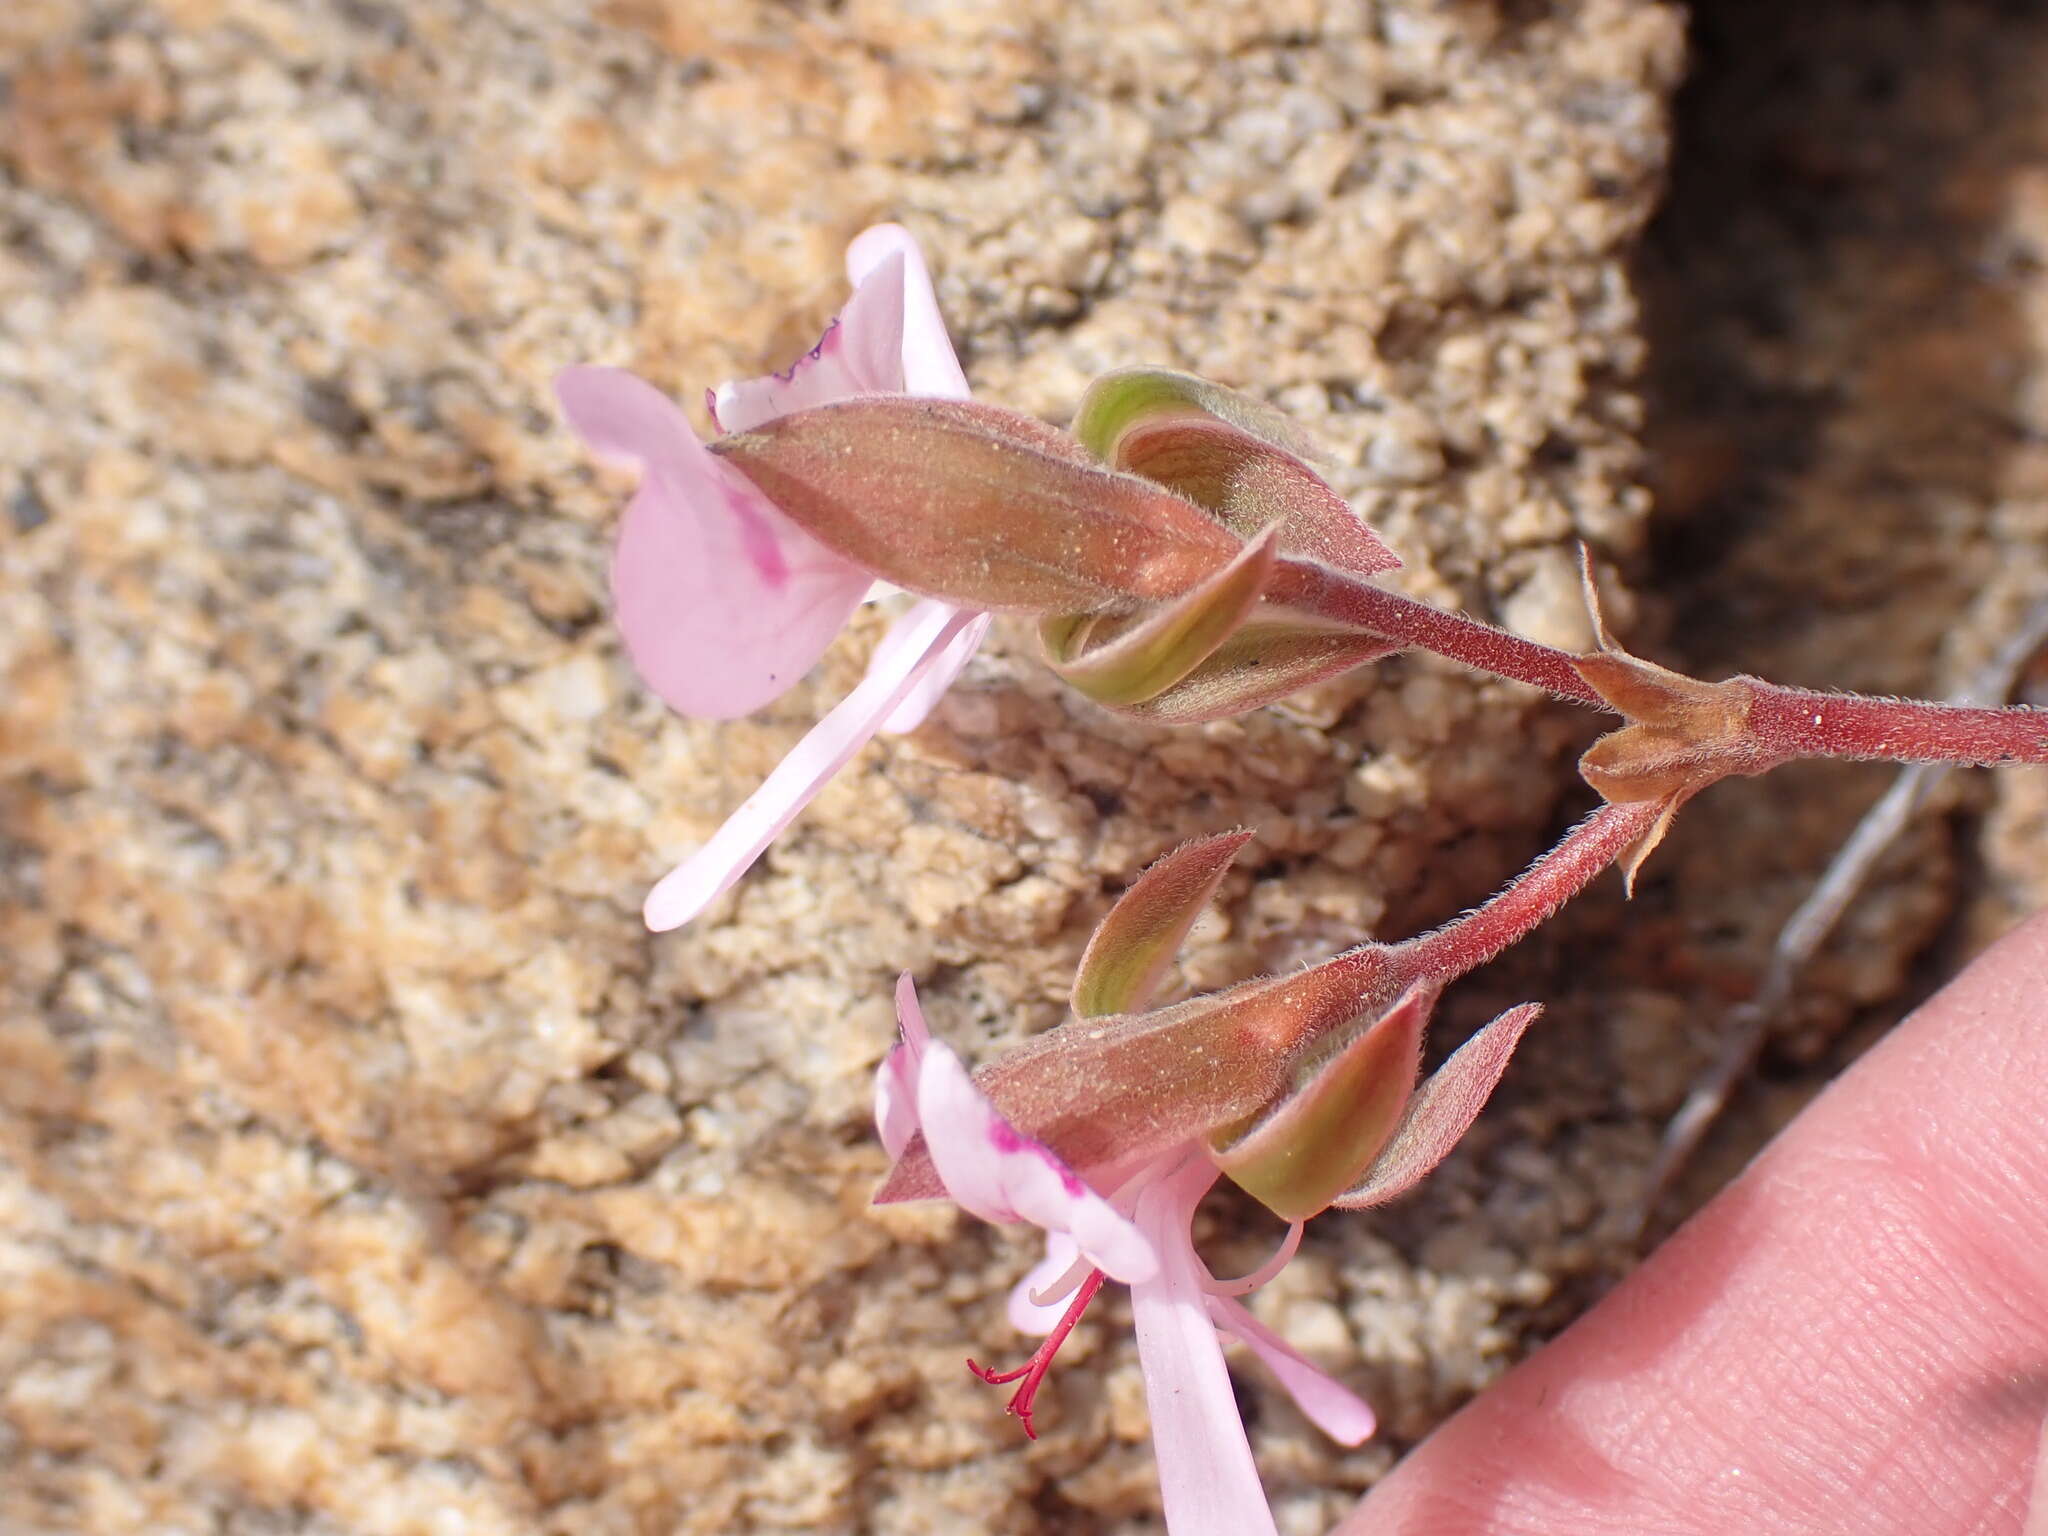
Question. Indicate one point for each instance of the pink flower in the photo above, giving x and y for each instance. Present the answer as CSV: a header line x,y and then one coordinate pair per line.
x,y
725,603
1138,1234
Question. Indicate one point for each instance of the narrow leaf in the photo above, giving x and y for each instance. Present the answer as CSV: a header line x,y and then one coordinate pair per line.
x,y
1137,940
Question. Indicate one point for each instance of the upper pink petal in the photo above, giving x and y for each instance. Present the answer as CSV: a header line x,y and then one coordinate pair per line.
x,y
732,849
896,1078
998,1173
723,602
930,366
1331,1406
860,353
1208,1482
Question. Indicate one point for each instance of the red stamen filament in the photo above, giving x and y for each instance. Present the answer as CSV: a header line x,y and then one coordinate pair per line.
x,y
1032,1371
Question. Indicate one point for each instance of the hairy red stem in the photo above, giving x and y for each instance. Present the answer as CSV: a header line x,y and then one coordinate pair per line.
x,y
1451,635
1554,879
1792,722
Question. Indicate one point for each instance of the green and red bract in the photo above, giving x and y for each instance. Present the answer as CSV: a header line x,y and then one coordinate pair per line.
x,y
980,506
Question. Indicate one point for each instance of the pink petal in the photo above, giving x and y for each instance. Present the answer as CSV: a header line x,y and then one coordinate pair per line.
x,y
896,1078
861,353
1442,1110
712,869
999,1174
1332,1407
1208,1482
929,364
937,678
1038,1317
723,602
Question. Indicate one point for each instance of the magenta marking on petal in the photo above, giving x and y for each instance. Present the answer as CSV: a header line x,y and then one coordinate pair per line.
x,y
1007,1139
763,547
711,409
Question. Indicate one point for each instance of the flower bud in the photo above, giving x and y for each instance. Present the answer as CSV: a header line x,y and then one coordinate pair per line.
x,y
1236,456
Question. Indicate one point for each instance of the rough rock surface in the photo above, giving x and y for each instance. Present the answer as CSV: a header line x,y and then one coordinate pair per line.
x,y
364,1168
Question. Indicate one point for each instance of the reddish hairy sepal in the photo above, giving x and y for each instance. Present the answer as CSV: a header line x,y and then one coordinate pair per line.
x,y
1109,1094
1321,1136
1682,734
1440,1112
1259,665
979,506
1143,656
1137,939
1250,484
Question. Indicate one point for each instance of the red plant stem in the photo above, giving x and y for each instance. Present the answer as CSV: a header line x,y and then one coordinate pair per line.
x,y
1792,722
1554,879
1451,635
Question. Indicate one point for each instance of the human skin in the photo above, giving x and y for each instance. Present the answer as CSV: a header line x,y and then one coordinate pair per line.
x,y
1852,1338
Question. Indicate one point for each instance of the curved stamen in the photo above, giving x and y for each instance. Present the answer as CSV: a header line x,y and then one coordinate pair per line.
x,y
1068,1278
1245,1284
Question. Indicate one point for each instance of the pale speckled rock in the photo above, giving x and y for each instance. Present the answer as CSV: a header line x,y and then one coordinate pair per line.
x,y
364,1168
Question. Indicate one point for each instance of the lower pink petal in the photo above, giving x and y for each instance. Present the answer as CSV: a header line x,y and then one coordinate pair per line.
x,y
937,678
831,744
1332,1407
1208,1483
706,627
